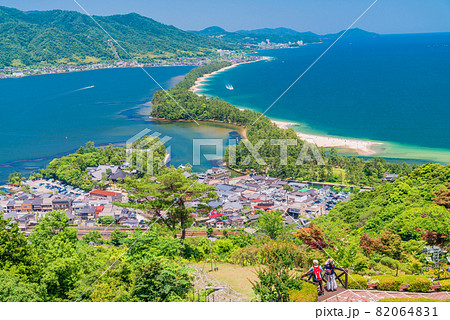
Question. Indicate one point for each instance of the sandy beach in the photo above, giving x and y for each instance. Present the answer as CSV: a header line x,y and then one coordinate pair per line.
x,y
364,148
200,81
361,147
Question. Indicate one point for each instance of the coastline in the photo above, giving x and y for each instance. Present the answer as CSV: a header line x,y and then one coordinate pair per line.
x,y
242,130
200,81
361,147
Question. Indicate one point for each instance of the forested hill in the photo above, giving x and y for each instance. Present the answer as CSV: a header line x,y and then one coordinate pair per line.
x,y
30,38
253,37
276,35
415,207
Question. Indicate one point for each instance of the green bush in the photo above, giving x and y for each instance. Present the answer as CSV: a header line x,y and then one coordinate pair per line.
x,y
420,284
355,281
223,249
308,293
389,262
391,283
445,285
247,256
274,283
283,252
384,269
416,283
288,254
388,282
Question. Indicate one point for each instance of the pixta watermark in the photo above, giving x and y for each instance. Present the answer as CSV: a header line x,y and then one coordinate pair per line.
x,y
144,145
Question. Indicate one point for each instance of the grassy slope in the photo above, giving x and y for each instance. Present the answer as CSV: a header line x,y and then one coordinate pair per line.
x,y
234,275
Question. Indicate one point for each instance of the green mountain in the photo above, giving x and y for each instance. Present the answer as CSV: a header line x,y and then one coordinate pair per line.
x,y
253,37
276,35
30,38
277,31
352,33
408,207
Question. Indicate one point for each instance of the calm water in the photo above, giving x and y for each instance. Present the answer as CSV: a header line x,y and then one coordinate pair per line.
x,y
393,89
47,116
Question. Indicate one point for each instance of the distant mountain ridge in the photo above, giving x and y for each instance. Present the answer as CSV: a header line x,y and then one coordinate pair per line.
x,y
69,37
276,35
352,33
57,36
278,31
253,37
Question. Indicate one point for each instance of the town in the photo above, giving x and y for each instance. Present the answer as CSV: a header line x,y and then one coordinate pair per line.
x,y
231,56
239,199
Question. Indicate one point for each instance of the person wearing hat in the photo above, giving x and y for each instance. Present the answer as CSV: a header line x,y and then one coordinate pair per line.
x,y
317,270
330,275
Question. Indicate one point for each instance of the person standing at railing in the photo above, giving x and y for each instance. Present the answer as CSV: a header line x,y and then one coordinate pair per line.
x,y
317,270
331,275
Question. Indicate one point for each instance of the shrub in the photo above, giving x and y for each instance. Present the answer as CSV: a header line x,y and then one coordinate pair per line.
x,y
389,262
308,293
370,273
355,281
242,240
388,282
196,249
247,256
286,253
275,283
222,249
384,269
416,283
420,284
445,285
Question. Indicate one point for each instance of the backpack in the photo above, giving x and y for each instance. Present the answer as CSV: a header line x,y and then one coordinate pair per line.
x,y
330,269
317,273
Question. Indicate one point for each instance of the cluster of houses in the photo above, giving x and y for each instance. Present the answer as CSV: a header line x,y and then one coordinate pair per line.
x,y
231,56
241,199
110,172
83,209
264,45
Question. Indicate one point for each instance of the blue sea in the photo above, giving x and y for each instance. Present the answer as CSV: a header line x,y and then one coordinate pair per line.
x,y
393,89
47,116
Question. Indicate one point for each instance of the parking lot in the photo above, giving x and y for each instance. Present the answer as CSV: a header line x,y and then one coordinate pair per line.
x,y
55,187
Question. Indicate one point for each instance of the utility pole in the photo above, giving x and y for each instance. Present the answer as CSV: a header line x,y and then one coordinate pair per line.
x,y
210,252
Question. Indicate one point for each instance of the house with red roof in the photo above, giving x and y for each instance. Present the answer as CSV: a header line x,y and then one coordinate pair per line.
x,y
106,195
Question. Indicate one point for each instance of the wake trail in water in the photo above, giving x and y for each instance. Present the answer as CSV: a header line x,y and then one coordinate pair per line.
x,y
85,88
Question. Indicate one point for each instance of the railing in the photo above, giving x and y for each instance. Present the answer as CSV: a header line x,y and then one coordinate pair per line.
x,y
339,275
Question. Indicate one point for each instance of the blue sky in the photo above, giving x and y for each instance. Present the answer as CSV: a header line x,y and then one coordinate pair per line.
x,y
320,16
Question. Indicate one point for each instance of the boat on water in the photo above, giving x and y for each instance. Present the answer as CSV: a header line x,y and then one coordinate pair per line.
x,y
229,87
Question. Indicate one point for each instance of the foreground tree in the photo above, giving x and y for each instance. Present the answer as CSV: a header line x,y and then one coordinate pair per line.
x,y
167,199
275,282
443,197
312,236
14,290
160,280
271,224
15,251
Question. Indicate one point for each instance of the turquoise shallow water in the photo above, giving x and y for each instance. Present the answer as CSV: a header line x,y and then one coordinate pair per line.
x,y
392,89
47,116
